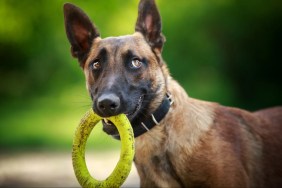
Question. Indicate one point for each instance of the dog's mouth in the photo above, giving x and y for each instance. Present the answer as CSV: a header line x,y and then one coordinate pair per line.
x,y
111,129
133,113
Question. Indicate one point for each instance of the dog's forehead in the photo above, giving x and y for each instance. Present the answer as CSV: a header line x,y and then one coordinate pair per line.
x,y
122,43
118,40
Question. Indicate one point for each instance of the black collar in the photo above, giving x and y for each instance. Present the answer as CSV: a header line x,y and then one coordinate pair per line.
x,y
154,119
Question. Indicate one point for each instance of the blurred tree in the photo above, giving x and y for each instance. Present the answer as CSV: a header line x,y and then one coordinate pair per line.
x,y
232,48
250,41
28,50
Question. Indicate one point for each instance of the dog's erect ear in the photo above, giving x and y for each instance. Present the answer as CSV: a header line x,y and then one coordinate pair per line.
x,y
149,23
80,31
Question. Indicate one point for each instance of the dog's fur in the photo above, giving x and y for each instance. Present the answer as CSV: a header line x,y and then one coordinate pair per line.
x,y
197,144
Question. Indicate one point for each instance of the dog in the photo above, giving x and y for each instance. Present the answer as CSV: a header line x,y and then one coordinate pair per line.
x,y
180,141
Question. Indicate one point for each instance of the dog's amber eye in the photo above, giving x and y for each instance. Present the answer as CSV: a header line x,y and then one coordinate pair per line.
x,y
136,63
96,65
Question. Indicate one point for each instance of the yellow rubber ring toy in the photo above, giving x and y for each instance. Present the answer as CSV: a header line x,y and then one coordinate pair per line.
x,y
123,167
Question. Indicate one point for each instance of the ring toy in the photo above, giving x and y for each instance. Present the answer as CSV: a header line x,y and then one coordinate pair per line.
x,y
123,167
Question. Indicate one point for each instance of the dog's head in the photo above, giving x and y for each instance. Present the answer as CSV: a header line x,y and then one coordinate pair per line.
x,y
123,74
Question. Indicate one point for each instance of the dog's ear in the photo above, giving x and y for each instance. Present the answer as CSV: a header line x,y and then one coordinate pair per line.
x,y
80,31
149,24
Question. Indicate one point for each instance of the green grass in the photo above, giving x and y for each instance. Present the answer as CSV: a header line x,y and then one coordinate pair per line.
x,y
49,122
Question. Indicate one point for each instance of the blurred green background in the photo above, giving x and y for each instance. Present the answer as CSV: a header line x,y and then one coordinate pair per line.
x,y
228,51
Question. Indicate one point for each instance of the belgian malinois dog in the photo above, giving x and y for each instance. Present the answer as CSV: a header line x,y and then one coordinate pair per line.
x,y
180,141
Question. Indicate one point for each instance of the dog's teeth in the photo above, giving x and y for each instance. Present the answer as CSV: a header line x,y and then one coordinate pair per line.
x,y
106,121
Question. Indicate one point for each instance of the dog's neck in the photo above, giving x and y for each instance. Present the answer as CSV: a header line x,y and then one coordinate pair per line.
x,y
200,119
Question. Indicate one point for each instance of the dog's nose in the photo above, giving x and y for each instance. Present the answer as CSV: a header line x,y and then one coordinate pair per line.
x,y
108,105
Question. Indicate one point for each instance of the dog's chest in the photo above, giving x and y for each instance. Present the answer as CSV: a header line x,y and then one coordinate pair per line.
x,y
153,163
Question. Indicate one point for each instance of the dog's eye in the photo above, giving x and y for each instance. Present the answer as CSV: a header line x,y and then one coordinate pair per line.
x,y
95,65
136,63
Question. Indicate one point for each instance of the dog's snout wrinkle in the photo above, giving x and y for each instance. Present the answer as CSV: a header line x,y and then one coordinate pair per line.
x,y
108,104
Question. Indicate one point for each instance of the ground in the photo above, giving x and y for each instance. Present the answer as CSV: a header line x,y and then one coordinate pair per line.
x,y
54,169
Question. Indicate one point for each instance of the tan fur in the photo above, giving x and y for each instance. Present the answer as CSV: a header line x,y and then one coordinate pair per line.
x,y
208,145
211,146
